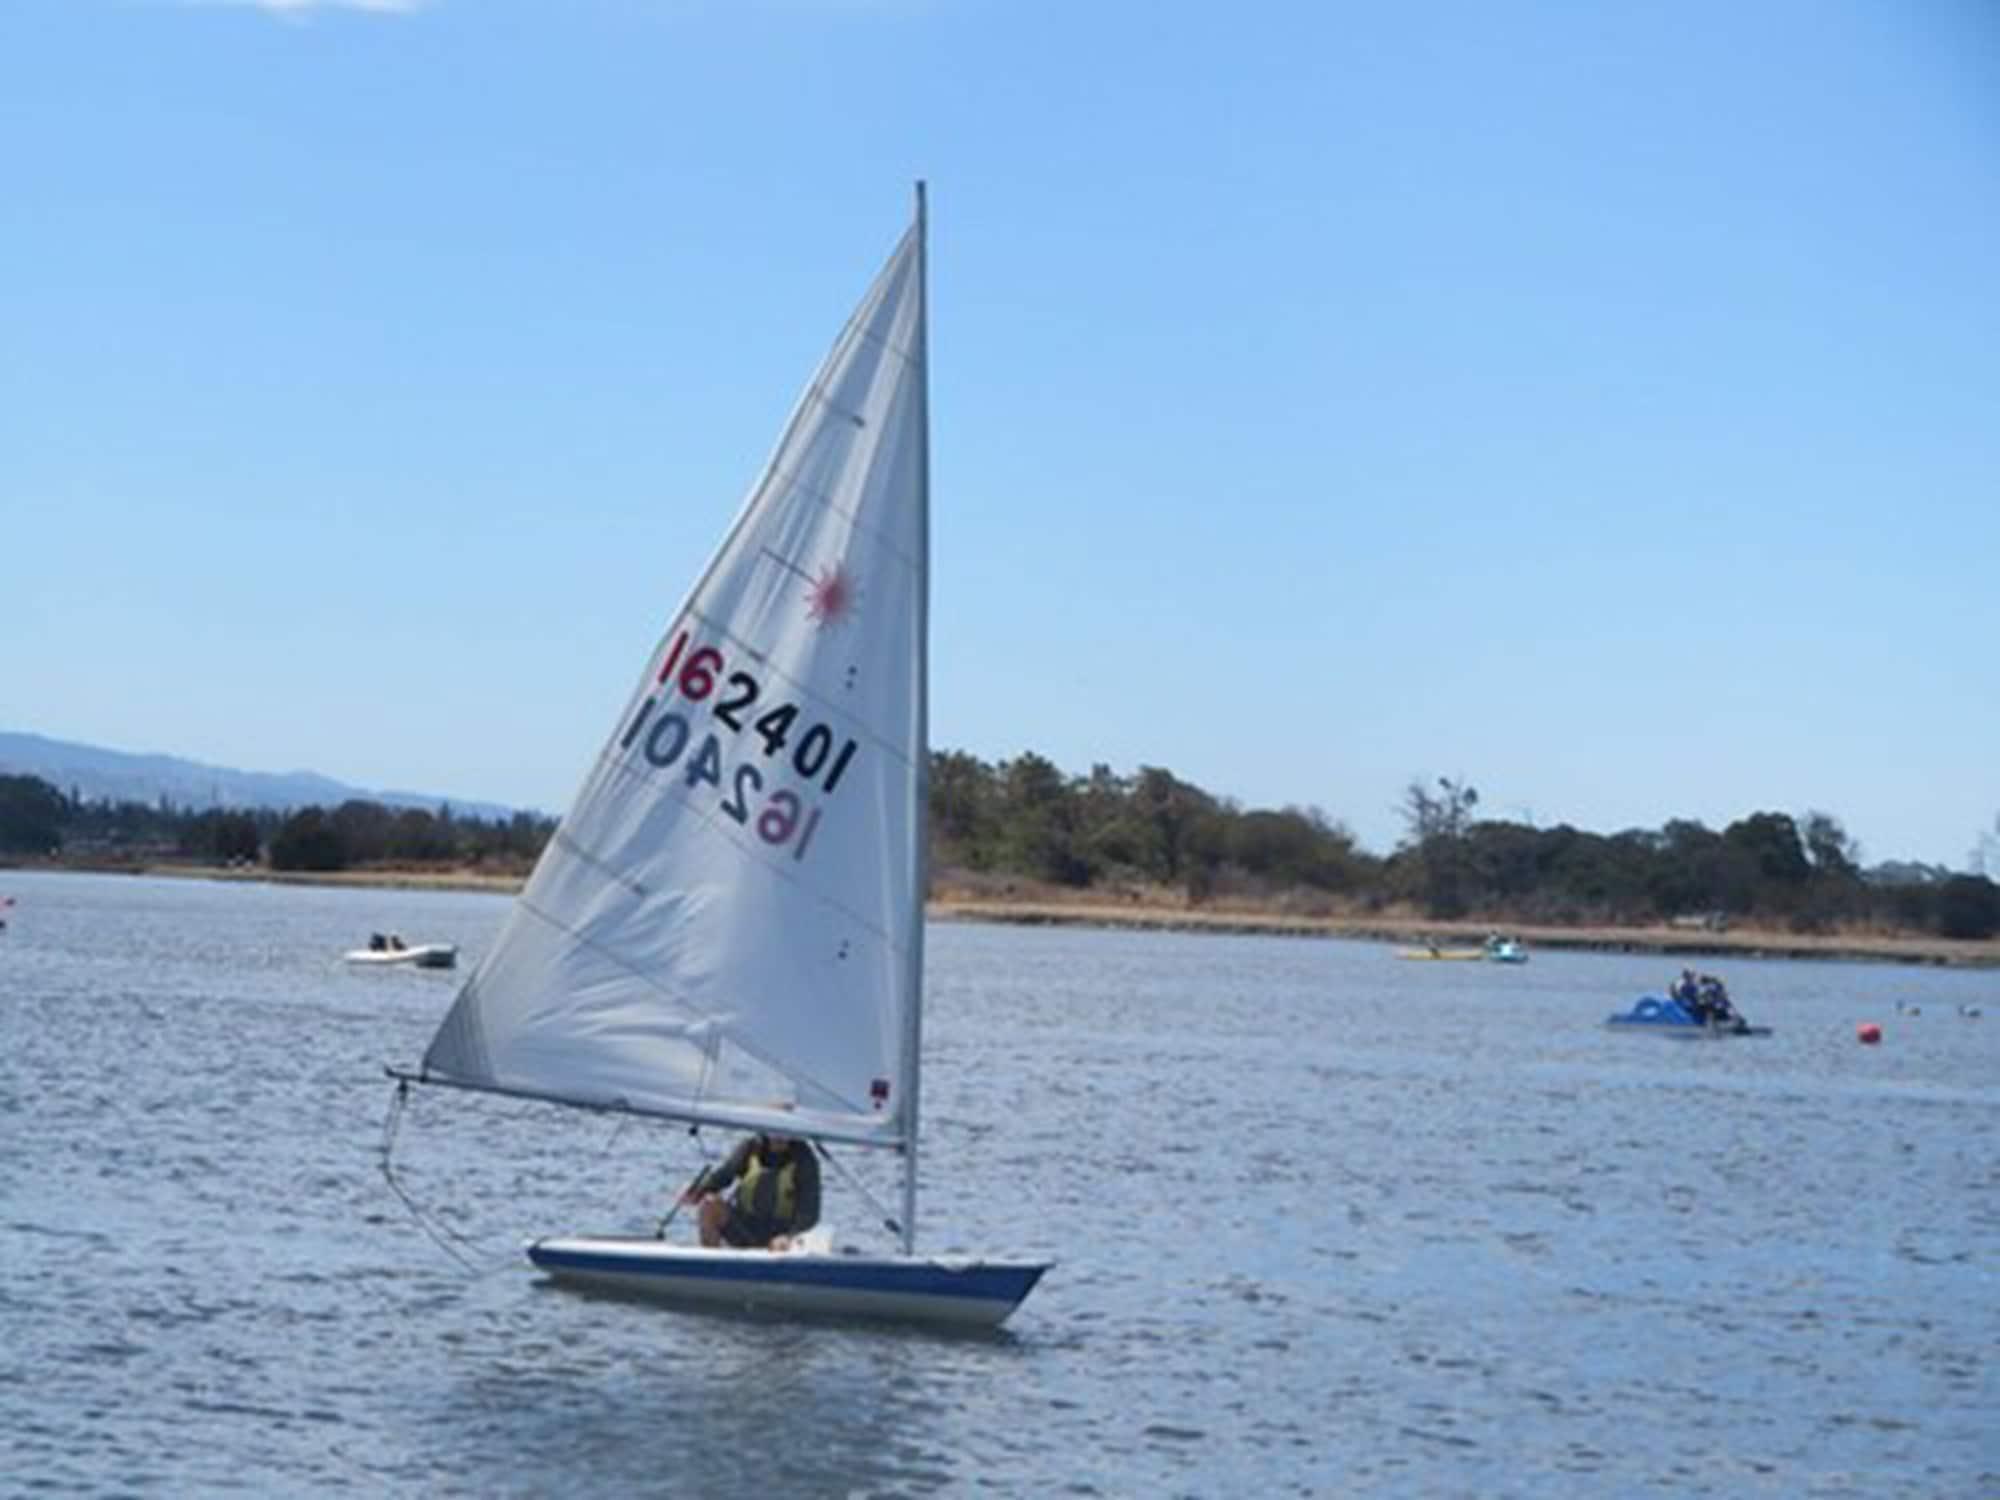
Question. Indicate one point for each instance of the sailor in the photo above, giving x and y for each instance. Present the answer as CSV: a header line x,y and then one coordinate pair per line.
x,y
1687,993
1714,1001
1718,1003
776,1194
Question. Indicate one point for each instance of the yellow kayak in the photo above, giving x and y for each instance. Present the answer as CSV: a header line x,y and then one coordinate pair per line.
x,y
1440,953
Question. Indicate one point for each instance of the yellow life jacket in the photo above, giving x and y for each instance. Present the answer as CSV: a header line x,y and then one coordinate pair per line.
x,y
776,1200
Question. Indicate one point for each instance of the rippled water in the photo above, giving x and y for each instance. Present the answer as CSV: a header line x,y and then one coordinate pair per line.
x,y
1326,1223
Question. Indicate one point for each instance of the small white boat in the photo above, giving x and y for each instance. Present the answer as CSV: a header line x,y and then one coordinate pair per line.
x,y
396,951
728,927
1505,950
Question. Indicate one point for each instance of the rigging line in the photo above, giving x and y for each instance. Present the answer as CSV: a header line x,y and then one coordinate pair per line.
x,y
707,1167
889,1221
390,1126
709,1056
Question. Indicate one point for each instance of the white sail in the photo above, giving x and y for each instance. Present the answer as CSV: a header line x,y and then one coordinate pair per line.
x,y
727,925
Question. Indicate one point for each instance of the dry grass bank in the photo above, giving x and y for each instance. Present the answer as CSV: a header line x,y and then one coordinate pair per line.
x,y
1135,907
958,896
413,877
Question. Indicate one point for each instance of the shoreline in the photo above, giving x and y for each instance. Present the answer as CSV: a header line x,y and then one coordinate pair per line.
x,y
1914,949
1154,913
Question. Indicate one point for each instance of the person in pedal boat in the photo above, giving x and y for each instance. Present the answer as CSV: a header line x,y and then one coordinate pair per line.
x,y
776,1180
1715,1006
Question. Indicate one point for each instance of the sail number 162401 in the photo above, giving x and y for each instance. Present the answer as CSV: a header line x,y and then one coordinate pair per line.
x,y
665,740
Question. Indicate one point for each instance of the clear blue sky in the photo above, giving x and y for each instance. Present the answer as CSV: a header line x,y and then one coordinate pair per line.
x,y
1600,403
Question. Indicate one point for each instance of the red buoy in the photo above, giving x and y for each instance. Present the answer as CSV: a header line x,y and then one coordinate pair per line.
x,y
1868,1032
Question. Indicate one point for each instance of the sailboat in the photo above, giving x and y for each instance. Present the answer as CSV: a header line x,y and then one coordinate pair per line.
x,y
727,926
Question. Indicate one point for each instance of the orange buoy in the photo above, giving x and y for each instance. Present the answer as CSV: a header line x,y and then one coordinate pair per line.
x,y
1868,1032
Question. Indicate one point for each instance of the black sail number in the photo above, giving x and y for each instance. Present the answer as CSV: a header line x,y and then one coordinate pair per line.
x,y
743,693
702,675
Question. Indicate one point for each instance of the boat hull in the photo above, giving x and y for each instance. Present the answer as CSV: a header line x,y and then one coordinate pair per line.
x,y
948,1290
423,956
1653,1016
1461,955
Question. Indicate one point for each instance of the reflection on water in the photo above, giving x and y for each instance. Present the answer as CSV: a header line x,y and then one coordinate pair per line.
x,y
1325,1223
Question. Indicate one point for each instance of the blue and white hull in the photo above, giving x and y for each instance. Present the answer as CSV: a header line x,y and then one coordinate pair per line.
x,y
1660,1017
942,1289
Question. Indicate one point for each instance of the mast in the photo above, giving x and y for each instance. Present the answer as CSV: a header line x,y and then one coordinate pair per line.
x,y
913,1019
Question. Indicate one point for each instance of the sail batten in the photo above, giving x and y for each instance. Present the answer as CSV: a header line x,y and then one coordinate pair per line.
x,y
610,872
722,929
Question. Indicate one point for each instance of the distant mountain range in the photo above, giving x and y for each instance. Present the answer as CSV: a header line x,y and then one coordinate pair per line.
x,y
94,773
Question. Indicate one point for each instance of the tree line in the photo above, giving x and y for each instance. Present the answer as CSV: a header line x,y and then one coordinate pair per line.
x,y
1023,817
1130,835
37,818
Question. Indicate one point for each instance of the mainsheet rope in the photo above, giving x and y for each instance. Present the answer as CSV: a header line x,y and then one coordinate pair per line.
x,y
441,1234
888,1219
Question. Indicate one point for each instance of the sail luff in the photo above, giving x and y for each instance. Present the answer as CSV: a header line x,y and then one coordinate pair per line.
x,y
721,930
913,1017
800,407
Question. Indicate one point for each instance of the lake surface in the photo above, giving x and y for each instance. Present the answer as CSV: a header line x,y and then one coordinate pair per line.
x,y
1327,1223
